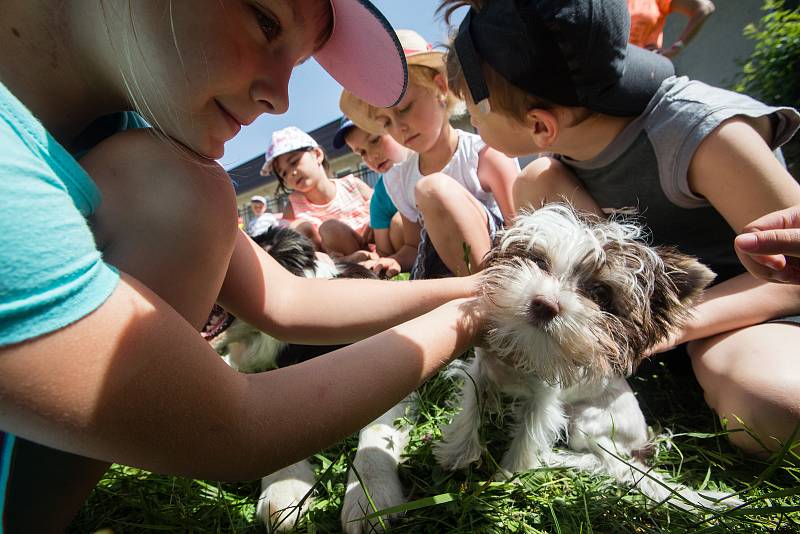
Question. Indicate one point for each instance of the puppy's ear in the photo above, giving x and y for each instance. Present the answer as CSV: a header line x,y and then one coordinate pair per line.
x,y
688,275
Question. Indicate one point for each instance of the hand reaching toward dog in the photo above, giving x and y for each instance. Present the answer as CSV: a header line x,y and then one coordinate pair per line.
x,y
769,247
386,267
670,342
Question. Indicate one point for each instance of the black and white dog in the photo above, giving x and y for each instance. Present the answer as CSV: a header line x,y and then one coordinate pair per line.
x,y
573,303
286,494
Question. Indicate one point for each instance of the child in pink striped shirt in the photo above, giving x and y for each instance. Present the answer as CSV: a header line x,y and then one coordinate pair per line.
x,y
333,213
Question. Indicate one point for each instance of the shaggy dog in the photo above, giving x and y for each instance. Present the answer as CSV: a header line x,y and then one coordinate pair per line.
x,y
287,493
573,303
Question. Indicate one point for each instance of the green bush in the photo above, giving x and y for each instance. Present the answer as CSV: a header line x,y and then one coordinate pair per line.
x,y
772,72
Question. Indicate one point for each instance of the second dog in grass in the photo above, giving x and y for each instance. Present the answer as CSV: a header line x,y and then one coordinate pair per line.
x,y
287,493
573,304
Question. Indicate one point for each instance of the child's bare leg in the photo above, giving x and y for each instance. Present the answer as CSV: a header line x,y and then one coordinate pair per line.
x,y
310,231
452,218
177,238
753,374
547,180
339,239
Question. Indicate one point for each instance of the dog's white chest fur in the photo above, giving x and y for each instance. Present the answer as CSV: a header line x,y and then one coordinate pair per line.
x,y
573,302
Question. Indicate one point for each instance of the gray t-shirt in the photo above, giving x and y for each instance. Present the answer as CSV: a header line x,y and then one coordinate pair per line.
x,y
645,169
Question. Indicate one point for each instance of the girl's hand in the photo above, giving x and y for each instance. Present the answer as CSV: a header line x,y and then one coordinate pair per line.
x,y
387,267
670,342
770,246
359,256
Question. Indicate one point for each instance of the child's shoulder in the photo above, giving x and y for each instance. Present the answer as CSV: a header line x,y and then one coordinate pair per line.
x,y
681,99
684,109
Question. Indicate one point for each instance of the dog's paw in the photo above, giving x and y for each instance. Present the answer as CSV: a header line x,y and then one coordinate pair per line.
x,y
285,496
385,491
452,455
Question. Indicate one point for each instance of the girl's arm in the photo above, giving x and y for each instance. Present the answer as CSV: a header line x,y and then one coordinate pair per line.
x,y
288,212
737,172
697,12
364,189
403,259
496,173
259,291
134,383
383,242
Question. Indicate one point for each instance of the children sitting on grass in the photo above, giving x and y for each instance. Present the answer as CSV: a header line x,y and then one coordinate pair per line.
x,y
453,192
333,213
694,162
380,153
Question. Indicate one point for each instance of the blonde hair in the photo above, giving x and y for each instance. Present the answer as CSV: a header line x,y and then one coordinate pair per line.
x,y
423,76
139,80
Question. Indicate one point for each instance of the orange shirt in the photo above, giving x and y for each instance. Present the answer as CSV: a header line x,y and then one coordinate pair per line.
x,y
647,22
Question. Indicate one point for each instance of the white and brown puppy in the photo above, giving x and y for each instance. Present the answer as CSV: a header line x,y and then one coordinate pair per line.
x,y
287,493
573,303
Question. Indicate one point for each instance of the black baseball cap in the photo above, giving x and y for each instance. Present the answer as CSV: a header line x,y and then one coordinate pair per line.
x,y
570,53
345,125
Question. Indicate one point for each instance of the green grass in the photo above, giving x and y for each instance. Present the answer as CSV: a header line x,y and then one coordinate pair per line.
x,y
546,500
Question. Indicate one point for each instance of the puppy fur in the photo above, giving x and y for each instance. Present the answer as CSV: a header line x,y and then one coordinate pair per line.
x,y
573,303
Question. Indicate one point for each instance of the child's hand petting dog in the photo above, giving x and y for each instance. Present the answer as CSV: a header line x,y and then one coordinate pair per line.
x,y
672,340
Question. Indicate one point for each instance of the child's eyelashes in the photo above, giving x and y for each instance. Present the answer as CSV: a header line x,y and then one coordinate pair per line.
x,y
269,25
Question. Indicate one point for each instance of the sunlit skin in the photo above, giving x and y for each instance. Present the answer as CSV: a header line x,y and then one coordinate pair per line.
x,y
379,152
419,122
134,382
302,171
502,133
200,70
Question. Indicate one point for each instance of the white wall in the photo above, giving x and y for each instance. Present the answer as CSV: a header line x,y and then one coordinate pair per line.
x,y
716,53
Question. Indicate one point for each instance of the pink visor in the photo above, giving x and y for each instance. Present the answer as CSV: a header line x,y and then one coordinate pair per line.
x,y
364,55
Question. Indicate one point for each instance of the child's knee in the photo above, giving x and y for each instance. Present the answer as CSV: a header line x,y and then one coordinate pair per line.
x,y
538,181
434,188
334,230
746,376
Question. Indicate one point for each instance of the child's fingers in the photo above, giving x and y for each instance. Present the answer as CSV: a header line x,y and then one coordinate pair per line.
x,y
775,262
777,220
790,274
767,242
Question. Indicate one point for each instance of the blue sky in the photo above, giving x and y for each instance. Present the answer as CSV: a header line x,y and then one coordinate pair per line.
x,y
314,96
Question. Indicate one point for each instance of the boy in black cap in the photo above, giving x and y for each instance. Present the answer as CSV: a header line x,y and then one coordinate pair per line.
x,y
694,162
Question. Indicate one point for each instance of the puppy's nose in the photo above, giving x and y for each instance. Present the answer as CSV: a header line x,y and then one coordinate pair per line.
x,y
543,308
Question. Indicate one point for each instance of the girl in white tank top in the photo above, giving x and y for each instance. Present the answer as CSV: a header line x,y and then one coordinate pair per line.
x,y
454,192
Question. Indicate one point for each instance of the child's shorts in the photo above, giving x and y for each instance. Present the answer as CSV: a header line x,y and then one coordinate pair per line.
x,y
428,264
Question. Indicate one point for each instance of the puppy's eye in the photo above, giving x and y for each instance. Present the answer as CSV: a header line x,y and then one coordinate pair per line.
x,y
540,260
601,295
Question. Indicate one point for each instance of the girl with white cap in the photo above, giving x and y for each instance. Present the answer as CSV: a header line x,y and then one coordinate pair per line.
x,y
101,301
332,213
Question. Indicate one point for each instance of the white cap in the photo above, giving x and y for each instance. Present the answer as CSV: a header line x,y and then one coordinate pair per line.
x,y
284,141
258,198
